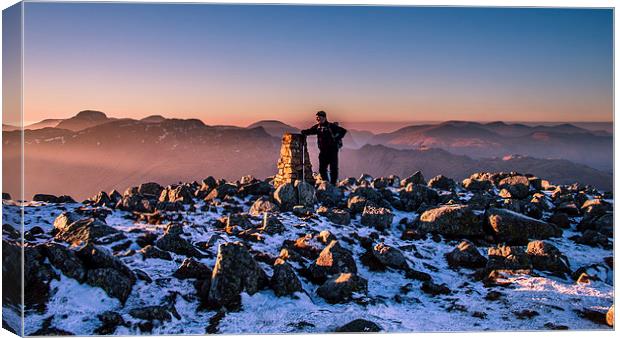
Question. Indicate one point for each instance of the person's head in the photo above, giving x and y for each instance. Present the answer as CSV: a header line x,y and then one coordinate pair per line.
x,y
321,117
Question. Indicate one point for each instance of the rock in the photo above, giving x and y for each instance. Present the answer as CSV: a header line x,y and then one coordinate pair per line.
x,y
284,280
191,268
415,195
113,282
302,211
435,289
235,271
64,220
466,255
441,182
135,202
96,257
150,251
65,260
37,275
560,219
87,231
327,194
594,239
52,199
545,256
180,193
255,188
146,239
271,225
518,186
609,317
6,196
341,288
286,196
477,185
222,191
508,258
305,193
173,242
416,178
452,221
150,189
110,320
240,220
332,260
360,325
390,257
151,313
356,204
380,183
261,205
379,218
102,199
514,228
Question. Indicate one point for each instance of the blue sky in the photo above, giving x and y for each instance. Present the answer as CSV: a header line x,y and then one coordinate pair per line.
x,y
243,63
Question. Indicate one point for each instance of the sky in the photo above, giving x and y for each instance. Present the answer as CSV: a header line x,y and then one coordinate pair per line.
x,y
237,64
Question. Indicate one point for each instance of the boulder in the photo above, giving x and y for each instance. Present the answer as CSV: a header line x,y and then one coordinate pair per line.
x,y
390,257
173,242
286,196
37,276
341,288
255,188
327,194
110,320
441,182
609,316
222,191
150,251
150,189
509,258
466,255
514,228
377,217
415,195
359,325
261,205
180,193
416,178
64,260
455,220
191,268
477,185
284,280
336,216
545,256
305,194
151,313
356,203
332,260
518,186
113,282
235,271
88,230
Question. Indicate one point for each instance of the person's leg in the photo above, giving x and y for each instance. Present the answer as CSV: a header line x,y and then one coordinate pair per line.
x,y
323,162
333,168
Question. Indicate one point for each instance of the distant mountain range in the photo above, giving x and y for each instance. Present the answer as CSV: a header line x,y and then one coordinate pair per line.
x,y
88,152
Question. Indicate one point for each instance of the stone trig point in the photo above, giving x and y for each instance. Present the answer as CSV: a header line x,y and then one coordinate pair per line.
x,y
294,162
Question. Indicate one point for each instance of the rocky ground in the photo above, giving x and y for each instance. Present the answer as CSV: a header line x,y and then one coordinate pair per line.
x,y
498,251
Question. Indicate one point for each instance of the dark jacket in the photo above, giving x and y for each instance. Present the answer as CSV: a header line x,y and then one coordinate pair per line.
x,y
328,135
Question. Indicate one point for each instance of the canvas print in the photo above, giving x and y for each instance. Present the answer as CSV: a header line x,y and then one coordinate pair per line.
x,y
190,169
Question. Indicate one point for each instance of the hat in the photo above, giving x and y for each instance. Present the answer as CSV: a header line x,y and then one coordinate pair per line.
x,y
321,113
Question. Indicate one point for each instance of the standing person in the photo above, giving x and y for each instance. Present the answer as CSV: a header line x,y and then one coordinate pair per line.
x,y
329,138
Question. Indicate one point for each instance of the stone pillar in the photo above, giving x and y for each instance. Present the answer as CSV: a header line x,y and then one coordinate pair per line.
x,y
293,158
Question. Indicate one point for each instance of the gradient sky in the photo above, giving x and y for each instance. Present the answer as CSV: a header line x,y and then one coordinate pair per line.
x,y
228,64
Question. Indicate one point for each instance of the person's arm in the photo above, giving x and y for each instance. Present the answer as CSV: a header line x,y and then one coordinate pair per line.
x,y
340,131
310,131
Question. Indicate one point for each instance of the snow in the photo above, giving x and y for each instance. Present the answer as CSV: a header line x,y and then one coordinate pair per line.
x,y
75,306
